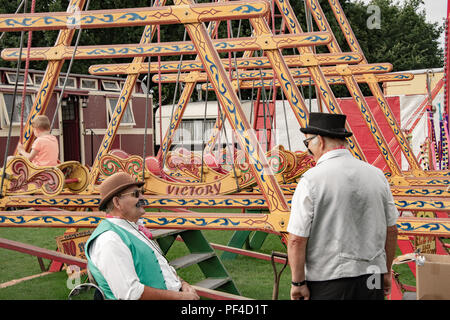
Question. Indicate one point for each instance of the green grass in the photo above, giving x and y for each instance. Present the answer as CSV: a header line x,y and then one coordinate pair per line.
x,y
15,265
49,287
405,274
253,277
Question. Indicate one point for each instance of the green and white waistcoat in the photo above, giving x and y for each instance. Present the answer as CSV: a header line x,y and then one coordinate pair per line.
x,y
145,262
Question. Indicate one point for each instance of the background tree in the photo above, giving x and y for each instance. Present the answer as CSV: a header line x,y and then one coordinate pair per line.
x,y
405,39
47,38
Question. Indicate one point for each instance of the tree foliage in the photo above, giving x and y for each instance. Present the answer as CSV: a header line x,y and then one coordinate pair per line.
x,y
105,36
405,38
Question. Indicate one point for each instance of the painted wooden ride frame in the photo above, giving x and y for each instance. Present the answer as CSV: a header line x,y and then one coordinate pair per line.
x,y
414,190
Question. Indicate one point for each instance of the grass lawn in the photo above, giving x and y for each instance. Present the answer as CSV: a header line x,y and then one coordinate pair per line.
x,y
253,277
15,265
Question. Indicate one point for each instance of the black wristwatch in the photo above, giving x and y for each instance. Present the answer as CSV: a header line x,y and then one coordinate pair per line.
x,y
299,284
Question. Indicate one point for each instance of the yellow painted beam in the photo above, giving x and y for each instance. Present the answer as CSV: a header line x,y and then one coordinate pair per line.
x,y
196,65
305,81
269,74
166,49
193,13
439,227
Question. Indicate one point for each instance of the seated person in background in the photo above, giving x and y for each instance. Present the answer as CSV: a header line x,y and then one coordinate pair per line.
x,y
45,150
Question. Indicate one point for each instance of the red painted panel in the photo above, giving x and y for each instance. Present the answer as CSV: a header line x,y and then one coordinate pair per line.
x,y
363,135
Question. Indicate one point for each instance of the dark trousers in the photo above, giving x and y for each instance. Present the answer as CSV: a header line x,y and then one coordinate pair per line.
x,y
355,288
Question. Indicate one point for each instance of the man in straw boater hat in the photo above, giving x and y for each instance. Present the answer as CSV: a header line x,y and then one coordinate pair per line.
x,y
123,259
342,227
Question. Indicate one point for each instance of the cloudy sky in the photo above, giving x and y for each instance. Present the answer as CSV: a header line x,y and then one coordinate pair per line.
x,y
436,11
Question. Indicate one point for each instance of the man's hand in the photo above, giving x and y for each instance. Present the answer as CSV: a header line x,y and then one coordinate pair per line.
x,y
296,254
387,279
299,293
190,293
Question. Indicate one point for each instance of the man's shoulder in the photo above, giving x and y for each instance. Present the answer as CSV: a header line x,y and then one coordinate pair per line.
x,y
105,229
106,236
338,165
369,167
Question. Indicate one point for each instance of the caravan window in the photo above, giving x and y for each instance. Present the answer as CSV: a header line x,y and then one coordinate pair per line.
x,y
128,116
71,82
110,85
11,77
38,79
6,104
90,84
194,131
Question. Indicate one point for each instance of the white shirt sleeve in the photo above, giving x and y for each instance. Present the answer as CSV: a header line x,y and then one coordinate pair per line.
x,y
390,207
113,259
302,210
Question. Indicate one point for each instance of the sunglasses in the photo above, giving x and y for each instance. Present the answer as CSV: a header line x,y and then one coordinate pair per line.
x,y
308,140
136,193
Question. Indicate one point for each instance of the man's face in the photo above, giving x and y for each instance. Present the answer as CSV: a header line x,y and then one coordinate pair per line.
x,y
313,143
128,202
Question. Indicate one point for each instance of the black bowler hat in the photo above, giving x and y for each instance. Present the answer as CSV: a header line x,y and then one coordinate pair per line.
x,y
327,124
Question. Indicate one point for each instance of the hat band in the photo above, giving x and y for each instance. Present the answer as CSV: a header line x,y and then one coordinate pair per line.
x,y
338,130
326,133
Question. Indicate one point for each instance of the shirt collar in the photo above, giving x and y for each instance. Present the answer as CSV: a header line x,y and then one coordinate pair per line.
x,y
333,154
124,223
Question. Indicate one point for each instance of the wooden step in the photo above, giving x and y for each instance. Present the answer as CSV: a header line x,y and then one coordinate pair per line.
x,y
191,259
201,254
161,233
213,283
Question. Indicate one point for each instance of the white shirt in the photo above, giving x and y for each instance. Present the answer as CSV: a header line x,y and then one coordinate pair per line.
x,y
113,259
344,206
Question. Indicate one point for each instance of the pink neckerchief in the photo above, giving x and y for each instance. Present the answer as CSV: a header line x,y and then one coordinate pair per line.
x,y
141,228
337,148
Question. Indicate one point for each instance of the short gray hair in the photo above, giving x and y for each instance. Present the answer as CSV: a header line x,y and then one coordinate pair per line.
x,y
109,206
335,142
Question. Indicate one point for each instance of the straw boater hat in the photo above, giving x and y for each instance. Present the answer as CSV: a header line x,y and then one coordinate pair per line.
x,y
327,124
115,184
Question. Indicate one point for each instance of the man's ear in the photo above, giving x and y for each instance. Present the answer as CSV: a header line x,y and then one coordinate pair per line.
x,y
115,201
322,142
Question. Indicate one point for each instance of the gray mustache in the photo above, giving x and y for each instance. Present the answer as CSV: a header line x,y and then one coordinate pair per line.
x,y
140,203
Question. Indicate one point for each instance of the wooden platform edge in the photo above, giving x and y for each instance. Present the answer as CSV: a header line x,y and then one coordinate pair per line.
x,y
217,295
42,252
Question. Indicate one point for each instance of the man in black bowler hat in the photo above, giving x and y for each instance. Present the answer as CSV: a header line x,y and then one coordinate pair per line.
x,y
342,227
